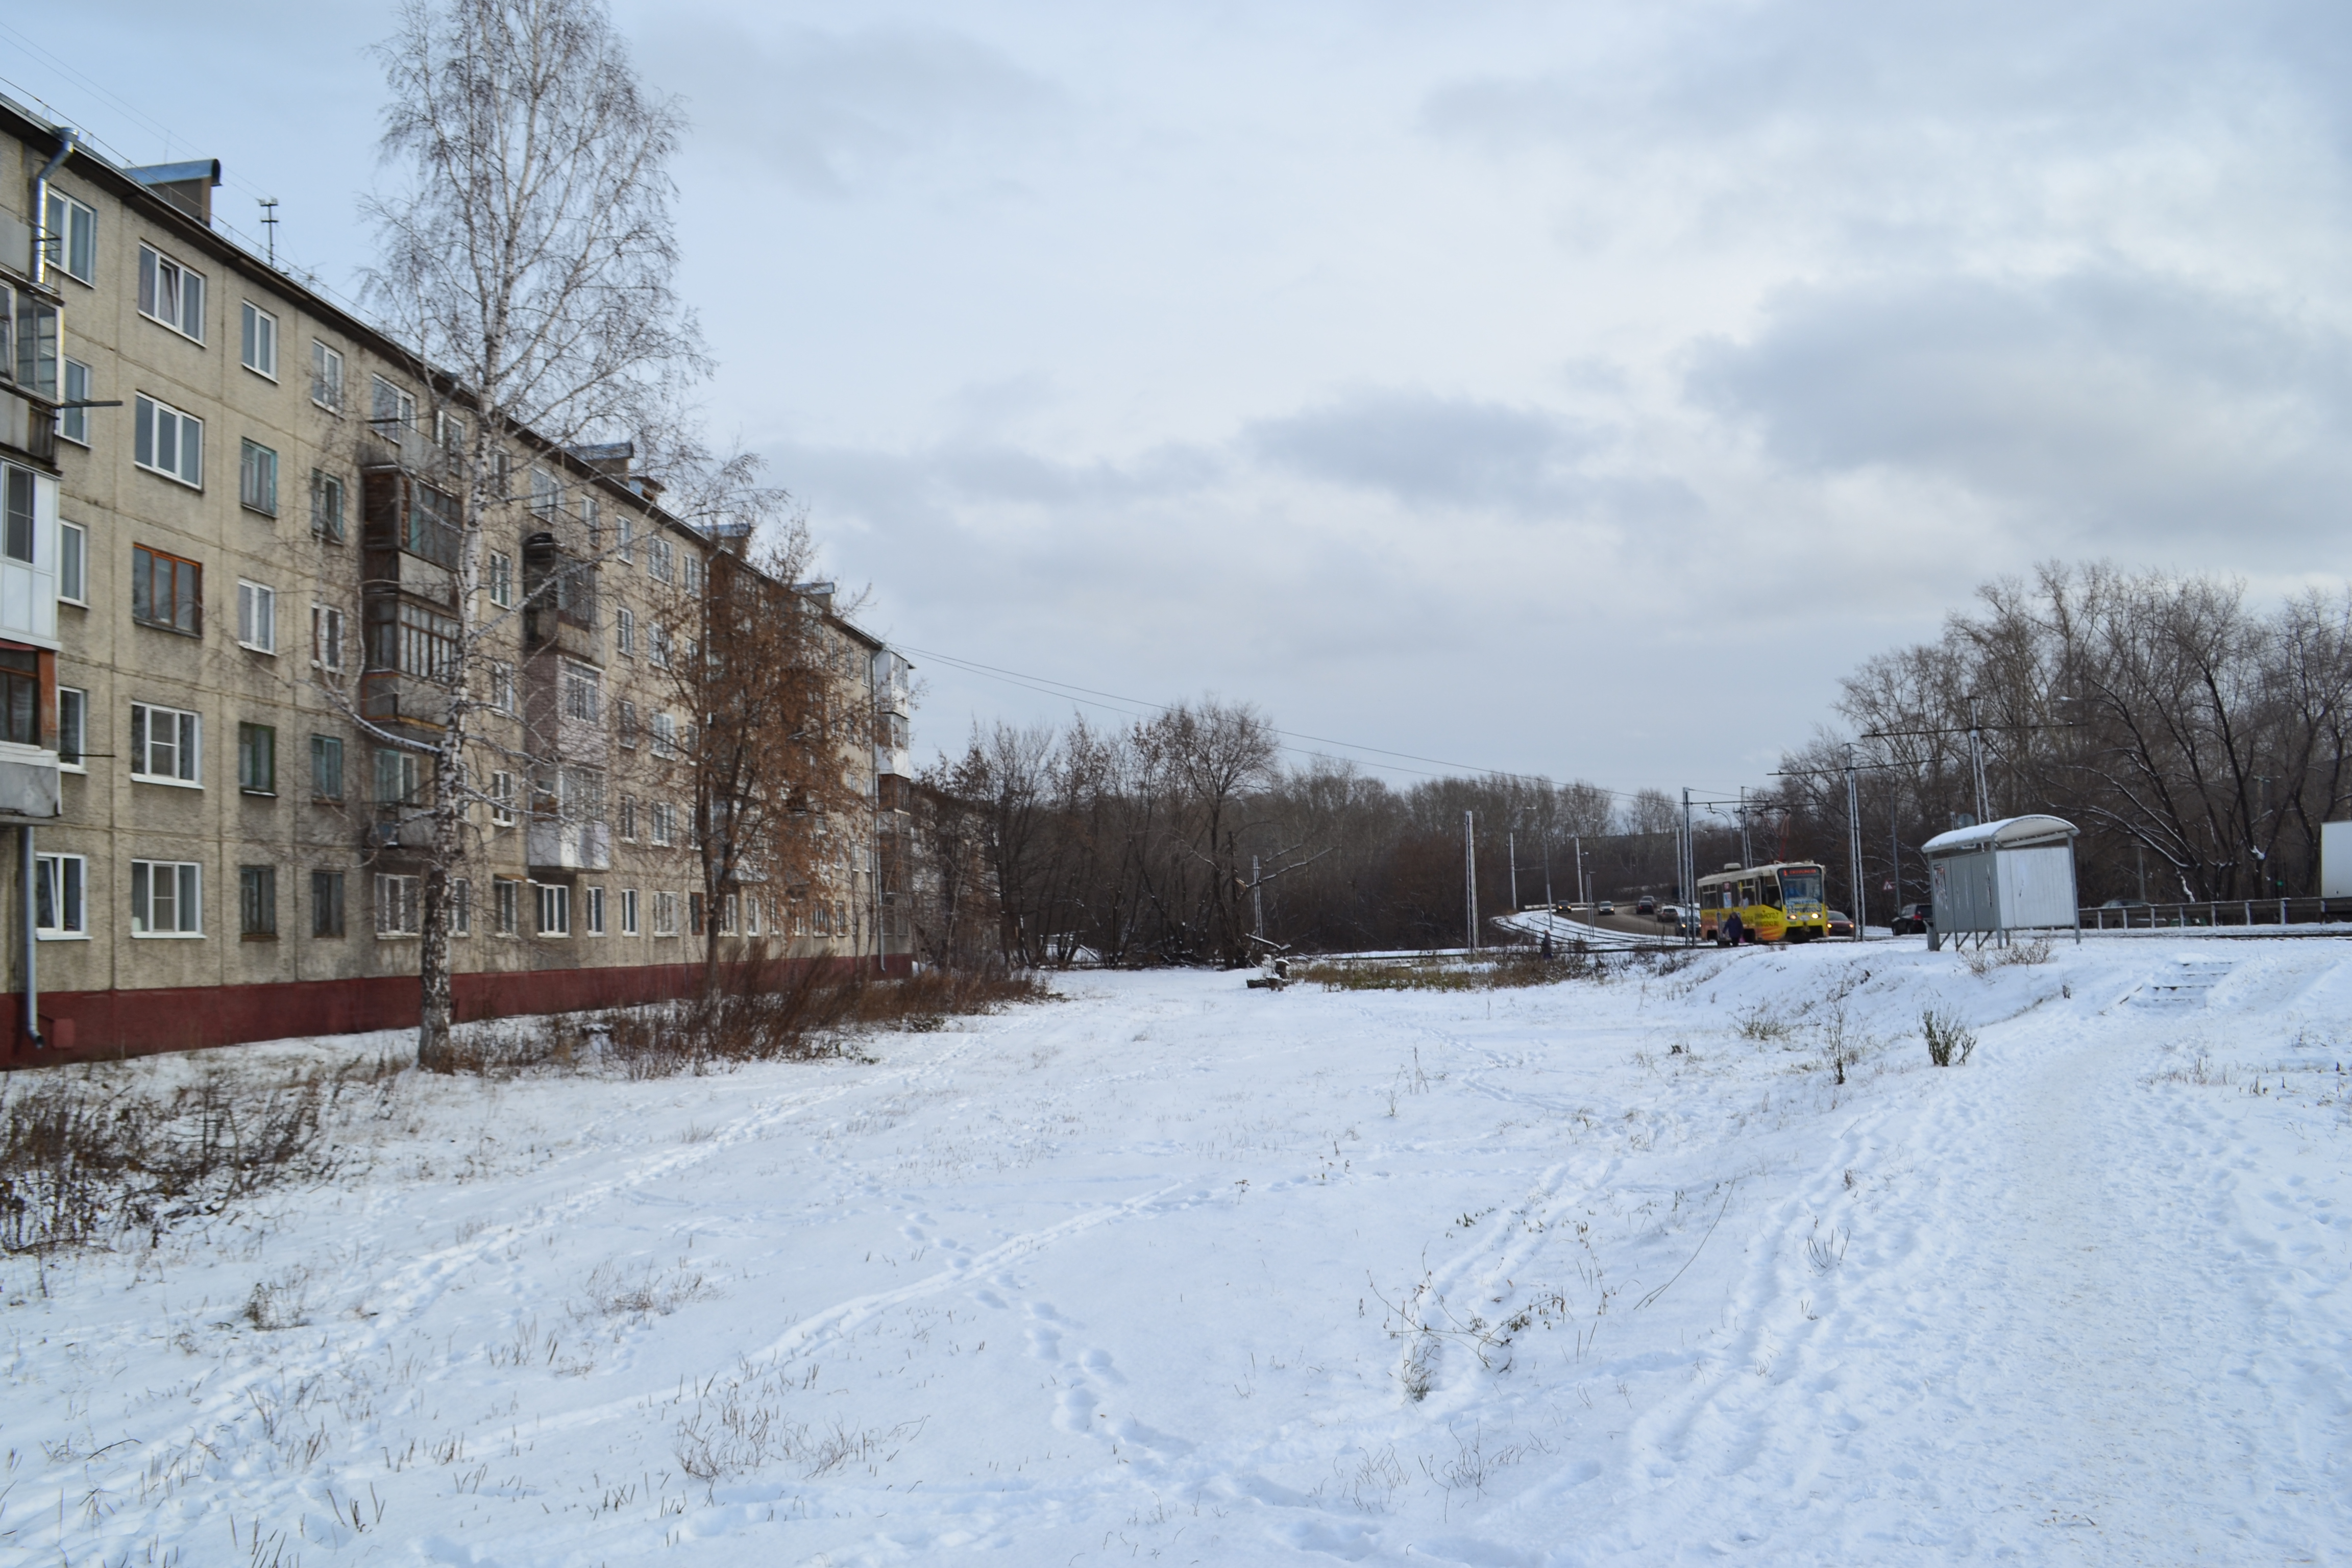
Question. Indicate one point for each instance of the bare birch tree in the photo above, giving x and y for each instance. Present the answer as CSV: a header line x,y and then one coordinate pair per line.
x,y
528,252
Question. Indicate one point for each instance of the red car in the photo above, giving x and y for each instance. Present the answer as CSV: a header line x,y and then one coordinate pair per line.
x,y
1839,925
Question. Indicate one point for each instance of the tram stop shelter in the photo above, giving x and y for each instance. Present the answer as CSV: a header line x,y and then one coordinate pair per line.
x,y
2017,874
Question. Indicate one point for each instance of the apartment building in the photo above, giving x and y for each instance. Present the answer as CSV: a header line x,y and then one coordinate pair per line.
x,y
227,568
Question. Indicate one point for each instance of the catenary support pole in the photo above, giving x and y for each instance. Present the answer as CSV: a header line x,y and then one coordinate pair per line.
x,y
1511,849
31,940
1854,846
1470,877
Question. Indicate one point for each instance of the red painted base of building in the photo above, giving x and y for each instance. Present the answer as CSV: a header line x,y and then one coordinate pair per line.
x,y
102,1025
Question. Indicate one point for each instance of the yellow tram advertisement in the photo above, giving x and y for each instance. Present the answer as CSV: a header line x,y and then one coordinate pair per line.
x,y
1780,902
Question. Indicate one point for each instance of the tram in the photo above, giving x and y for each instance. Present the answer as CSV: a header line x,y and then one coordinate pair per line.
x,y
1780,902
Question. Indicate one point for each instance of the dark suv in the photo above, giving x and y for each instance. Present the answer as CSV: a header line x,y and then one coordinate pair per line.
x,y
1915,918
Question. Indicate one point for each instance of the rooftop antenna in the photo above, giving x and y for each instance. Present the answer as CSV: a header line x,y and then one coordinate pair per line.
x,y
269,223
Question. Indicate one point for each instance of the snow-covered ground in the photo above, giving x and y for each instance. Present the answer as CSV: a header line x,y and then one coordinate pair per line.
x,y
1176,1271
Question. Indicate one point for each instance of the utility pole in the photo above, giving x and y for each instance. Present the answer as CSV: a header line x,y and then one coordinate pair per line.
x,y
1257,901
1470,876
1976,762
1511,847
1853,844
1546,870
1747,856
1686,868
1578,840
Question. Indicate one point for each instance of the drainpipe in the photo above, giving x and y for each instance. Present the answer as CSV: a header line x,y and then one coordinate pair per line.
x,y
65,139
32,945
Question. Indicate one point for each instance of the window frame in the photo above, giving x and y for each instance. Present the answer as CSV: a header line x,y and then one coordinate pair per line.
x,y
551,898
328,631
506,906
148,413
256,759
256,612
401,895
187,745
77,732
187,879
664,920
592,911
624,632
73,564
256,338
327,895
327,376
256,477
151,263
501,580
257,902
51,886
403,416
502,799
630,925
194,600
326,506
73,423
323,747
79,221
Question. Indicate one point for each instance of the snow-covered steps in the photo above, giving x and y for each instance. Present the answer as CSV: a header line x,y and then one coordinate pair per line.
x,y
2182,983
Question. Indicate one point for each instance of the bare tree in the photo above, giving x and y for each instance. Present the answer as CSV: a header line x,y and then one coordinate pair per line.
x,y
526,256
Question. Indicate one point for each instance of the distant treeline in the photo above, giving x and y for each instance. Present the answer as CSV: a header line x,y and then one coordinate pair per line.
x,y
2197,741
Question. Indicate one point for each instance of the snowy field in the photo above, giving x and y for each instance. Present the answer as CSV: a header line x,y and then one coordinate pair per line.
x,y
1172,1271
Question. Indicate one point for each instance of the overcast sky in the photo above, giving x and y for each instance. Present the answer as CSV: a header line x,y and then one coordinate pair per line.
x,y
1565,388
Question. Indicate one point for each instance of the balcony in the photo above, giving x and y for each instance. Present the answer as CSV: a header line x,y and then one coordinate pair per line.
x,y
29,781
551,845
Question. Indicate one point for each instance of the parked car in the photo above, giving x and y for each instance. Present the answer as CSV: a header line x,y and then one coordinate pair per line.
x,y
1604,908
1838,924
1913,919
1645,905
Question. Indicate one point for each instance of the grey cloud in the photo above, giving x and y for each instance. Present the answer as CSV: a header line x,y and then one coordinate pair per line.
x,y
2118,401
837,113
1432,451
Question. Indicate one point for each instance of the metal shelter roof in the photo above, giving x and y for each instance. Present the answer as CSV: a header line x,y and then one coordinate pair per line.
x,y
2009,833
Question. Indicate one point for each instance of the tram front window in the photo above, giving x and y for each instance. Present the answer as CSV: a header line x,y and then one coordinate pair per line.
x,y
1801,888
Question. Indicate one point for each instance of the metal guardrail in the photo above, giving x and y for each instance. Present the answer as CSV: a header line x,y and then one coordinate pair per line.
x,y
2214,912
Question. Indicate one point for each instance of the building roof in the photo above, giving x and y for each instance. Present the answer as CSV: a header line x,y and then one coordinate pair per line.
x,y
2009,833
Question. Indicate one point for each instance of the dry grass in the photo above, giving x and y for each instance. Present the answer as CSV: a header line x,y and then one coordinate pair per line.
x,y
762,1013
1514,967
87,1153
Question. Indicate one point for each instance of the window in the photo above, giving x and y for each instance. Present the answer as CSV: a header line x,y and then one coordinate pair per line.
x,y
694,914
658,561
257,616
665,914
257,341
168,442
664,735
624,633
257,479
165,744
392,411
73,564
505,892
588,515
257,902
73,423
502,799
326,903
72,237
546,495
554,908
664,822
625,716
326,507
73,726
449,435
581,691
256,759
657,646
20,697
166,592
592,911
629,911
166,897
730,915
398,911
461,906
628,817
628,540
693,581
326,377
395,776
59,881
501,580
326,767
502,686
428,643
171,293
17,530
327,638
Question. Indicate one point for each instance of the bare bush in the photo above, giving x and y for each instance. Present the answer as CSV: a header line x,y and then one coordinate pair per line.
x,y
1947,1042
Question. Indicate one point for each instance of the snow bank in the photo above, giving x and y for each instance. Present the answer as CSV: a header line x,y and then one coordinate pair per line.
x,y
1175,1270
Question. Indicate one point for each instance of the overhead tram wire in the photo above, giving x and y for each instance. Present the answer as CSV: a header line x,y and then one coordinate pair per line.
x,y
1033,683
